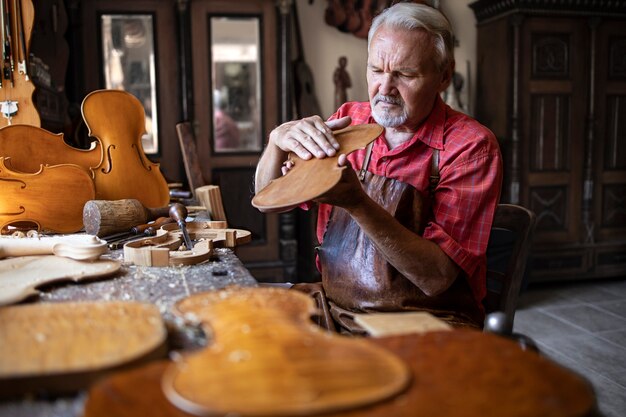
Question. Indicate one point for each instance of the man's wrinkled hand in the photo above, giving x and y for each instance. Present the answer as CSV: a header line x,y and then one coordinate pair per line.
x,y
309,137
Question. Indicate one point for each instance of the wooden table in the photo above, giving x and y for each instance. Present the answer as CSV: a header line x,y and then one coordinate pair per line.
x,y
461,373
162,287
458,373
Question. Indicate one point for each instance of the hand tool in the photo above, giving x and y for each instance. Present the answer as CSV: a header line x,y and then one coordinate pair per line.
x,y
119,243
178,212
142,228
106,217
139,231
135,230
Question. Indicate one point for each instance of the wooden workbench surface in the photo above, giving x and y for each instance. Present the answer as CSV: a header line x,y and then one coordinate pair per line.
x,y
159,286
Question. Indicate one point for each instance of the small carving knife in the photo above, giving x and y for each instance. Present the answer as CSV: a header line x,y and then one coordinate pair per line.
x,y
178,212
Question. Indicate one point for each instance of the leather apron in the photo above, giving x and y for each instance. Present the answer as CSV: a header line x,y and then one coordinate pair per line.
x,y
357,278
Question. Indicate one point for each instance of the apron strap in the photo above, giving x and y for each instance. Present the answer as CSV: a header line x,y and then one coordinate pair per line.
x,y
434,173
434,168
366,161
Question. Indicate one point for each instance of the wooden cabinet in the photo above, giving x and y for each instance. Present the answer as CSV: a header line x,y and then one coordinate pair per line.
x,y
551,84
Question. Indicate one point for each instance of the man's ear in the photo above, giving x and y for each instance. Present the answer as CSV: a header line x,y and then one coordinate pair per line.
x,y
446,76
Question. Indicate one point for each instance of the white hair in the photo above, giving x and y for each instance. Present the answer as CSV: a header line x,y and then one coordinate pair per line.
x,y
412,16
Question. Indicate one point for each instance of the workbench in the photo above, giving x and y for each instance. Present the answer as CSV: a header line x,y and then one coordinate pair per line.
x,y
451,370
161,286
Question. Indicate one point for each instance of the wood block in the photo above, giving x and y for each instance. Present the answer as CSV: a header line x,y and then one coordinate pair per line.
x,y
20,277
61,347
391,324
211,198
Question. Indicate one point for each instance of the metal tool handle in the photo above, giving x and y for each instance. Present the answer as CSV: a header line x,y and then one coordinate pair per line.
x,y
178,212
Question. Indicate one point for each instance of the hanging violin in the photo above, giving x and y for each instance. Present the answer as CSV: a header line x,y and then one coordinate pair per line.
x,y
16,87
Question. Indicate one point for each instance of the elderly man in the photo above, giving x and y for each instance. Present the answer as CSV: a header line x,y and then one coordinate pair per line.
x,y
412,235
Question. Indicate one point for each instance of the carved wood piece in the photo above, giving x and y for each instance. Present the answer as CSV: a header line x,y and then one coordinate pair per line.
x,y
29,147
117,119
20,277
79,247
294,369
308,180
221,237
60,347
211,197
39,199
160,250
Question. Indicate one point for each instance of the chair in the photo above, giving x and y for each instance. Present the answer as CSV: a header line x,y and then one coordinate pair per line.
x,y
507,254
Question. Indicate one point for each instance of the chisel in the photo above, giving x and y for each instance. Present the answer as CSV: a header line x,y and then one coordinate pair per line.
x,y
179,212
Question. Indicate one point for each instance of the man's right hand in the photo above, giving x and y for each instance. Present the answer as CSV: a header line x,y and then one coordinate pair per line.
x,y
309,137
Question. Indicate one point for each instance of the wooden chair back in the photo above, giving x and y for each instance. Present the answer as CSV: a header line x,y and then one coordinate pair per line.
x,y
187,141
507,254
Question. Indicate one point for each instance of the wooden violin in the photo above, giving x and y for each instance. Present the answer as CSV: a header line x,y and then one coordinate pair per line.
x,y
44,183
51,198
29,147
117,120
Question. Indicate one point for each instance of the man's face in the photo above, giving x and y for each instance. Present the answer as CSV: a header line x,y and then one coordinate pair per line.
x,y
403,78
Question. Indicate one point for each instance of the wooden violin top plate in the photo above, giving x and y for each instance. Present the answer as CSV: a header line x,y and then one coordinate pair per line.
x,y
21,276
310,179
61,346
268,359
457,373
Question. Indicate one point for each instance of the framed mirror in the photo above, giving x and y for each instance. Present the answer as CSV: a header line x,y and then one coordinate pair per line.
x,y
128,56
235,83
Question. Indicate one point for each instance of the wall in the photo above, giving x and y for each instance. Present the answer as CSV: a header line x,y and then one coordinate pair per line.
x,y
323,45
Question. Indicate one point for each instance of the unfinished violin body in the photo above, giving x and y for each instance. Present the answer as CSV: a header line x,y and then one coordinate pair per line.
x,y
29,147
52,198
117,120
309,179
267,359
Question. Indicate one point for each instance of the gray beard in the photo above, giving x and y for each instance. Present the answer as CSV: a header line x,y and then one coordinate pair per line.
x,y
383,118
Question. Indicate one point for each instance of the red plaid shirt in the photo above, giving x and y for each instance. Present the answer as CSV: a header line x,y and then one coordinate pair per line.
x,y
470,169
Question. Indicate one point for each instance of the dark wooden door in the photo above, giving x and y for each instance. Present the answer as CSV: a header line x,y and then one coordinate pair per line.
x,y
235,75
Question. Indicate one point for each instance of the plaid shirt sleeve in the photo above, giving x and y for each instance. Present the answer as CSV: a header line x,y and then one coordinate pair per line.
x,y
465,202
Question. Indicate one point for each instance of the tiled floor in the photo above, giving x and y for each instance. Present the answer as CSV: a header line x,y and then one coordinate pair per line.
x,y
583,327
